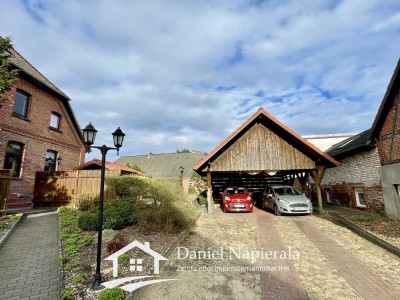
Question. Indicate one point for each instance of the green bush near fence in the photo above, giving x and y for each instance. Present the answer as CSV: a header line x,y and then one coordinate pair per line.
x,y
158,203
118,214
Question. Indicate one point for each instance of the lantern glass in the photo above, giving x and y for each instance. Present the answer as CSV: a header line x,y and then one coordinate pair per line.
x,y
89,134
59,159
118,137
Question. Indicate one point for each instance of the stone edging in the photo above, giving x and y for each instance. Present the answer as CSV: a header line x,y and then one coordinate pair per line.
x,y
61,284
139,293
365,234
11,230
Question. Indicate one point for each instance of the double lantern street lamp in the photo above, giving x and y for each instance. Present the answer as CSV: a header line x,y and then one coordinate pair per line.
x,y
89,135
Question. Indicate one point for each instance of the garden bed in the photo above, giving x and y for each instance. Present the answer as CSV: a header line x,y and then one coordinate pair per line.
x,y
7,222
382,227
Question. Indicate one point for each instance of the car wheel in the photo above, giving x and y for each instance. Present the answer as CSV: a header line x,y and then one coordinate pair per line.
x,y
276,210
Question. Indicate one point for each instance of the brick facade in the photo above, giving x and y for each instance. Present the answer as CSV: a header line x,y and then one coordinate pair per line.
x,y
35,134
388,141
358,171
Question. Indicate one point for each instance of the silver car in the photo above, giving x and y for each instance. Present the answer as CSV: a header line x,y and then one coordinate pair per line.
x,y
285,199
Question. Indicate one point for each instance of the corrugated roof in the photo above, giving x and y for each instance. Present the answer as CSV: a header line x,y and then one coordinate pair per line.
x,y
21,63
164,165
355,143
109,166
292,135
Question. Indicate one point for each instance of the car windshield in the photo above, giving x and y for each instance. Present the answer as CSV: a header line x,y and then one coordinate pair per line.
x,y
286,191
236,191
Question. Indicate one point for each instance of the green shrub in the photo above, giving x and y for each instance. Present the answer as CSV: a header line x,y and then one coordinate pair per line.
x,y
88,220
67,294
170,210
85,202
118,214
112,294
80,278
126,186
124,260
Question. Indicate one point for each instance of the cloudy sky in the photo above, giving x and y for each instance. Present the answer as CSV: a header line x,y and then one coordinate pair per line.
x,y
175,74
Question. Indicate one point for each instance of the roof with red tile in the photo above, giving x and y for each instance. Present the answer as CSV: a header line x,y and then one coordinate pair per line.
x,y
109,166
290,134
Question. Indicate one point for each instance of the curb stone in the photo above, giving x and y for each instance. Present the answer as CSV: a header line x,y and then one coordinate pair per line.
x,y
337,219
61,284
11,230
139,292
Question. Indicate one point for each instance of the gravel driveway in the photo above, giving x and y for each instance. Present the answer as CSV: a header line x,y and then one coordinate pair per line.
x,y
260,256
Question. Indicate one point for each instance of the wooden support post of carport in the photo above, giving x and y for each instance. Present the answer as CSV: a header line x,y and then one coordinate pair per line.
x,y
317,176
210,202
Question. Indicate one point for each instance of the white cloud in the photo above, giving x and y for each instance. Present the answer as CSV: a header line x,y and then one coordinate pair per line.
x,y
187,73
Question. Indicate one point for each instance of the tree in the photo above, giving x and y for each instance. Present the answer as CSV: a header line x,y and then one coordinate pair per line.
x,y
135,167
7,76
183,150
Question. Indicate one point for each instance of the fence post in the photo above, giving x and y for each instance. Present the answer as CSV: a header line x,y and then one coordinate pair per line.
x,y
5,176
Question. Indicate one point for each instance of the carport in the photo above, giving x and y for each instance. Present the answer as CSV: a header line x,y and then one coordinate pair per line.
x,y
260,152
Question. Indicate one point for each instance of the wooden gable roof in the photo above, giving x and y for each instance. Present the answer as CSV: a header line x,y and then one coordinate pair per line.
x,y
262,143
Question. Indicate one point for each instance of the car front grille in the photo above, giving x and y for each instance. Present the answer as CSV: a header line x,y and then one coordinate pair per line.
x,y
299,205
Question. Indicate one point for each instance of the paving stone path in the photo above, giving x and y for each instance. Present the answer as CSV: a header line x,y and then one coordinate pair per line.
x,y
334,262
29,260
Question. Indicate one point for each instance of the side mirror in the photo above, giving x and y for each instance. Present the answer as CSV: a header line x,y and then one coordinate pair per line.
x,y
250,193
221,193
269,195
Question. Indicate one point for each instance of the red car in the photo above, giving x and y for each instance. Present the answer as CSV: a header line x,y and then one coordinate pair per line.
x,y
237,199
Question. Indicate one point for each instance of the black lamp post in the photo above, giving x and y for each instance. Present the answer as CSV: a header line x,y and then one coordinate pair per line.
x,y
89,135
182,169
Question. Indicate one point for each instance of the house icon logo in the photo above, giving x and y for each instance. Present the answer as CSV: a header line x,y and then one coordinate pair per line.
x,y
136,265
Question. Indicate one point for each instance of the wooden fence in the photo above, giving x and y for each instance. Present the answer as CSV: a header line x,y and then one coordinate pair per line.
x,y
5,176
62,188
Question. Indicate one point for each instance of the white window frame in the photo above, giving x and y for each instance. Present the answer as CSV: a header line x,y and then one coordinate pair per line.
x,y
328,196
358,191
55,117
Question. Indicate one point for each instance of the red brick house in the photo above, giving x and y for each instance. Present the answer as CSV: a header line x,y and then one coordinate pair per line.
x,y
37,129
356,182
385,132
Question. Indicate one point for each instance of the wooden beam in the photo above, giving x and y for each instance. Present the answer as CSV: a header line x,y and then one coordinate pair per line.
x,y
210,202
317,175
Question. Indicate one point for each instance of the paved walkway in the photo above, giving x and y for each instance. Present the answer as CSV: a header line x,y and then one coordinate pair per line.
x,y
29,259
334,263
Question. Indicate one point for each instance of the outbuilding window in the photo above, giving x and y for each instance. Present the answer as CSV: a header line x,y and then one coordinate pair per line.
x,y
360,200
13,159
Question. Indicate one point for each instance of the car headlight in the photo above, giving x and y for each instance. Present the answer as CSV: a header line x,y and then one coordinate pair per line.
x,y
283,201
227,198
308,202
248,198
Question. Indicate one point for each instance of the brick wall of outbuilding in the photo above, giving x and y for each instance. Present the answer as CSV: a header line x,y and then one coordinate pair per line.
x,y
360,170
389,126
37,137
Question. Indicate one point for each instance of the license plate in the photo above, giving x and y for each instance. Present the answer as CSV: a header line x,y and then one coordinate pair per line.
x,y
239,206
299,208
